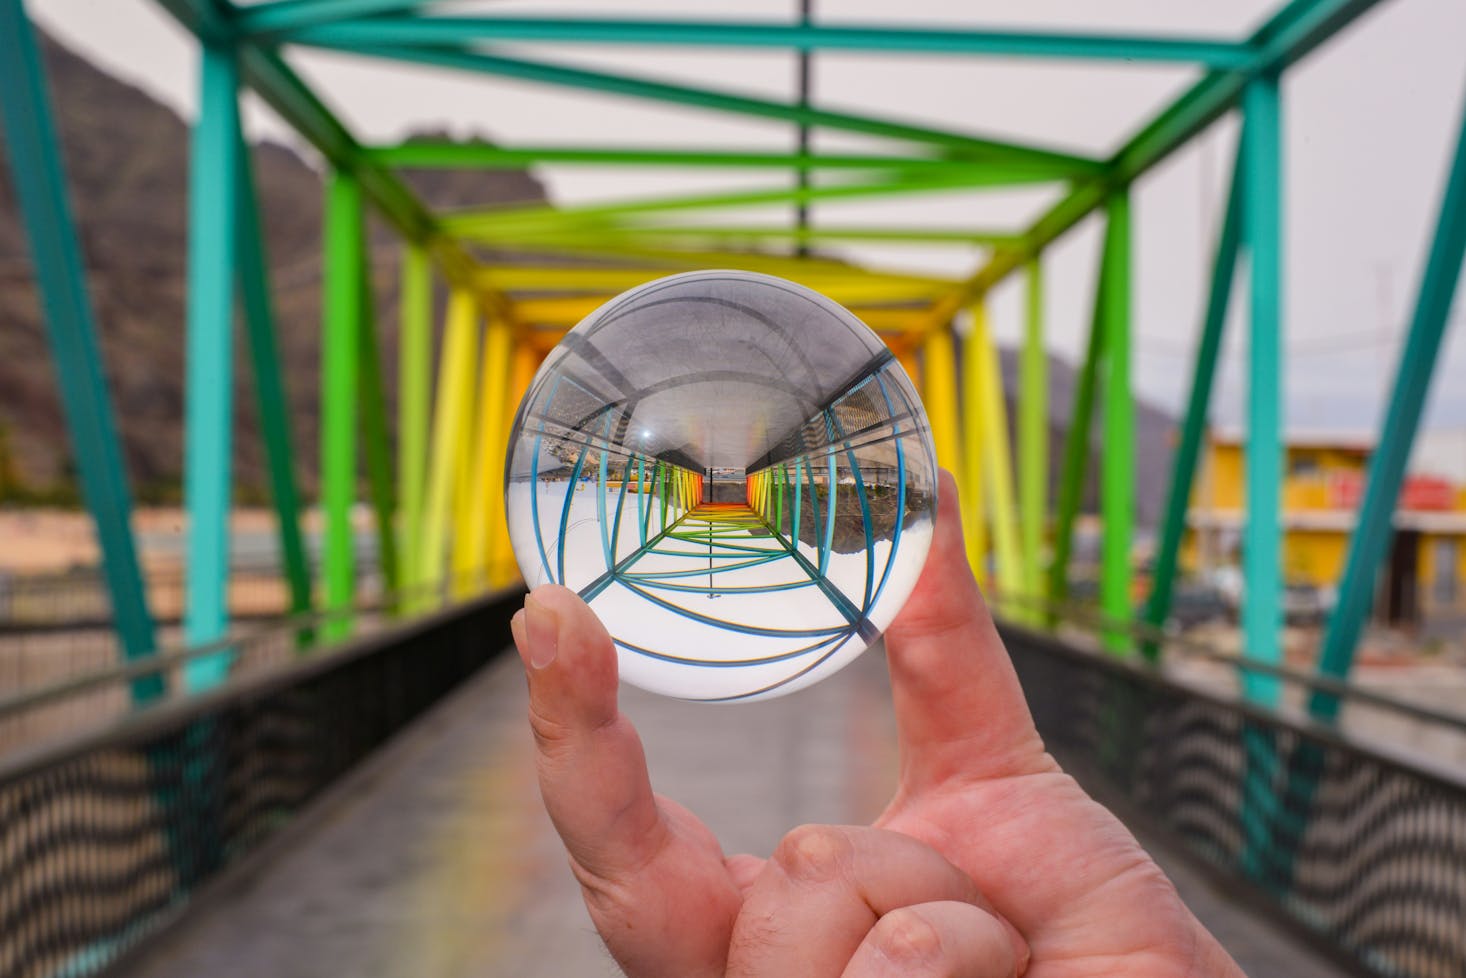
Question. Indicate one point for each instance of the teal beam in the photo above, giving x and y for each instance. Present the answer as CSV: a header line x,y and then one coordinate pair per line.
x,y
1077,441
340,366
213,253
40,192
1262,537
375,435
1117,463
1290,35
889,38
271,399
1370,542
285,15
1193,427
976,147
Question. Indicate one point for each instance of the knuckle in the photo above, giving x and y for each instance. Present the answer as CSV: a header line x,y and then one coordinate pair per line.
x,y
908,938
813,853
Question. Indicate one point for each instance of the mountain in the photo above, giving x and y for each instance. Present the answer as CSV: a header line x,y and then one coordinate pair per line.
x,y
126,159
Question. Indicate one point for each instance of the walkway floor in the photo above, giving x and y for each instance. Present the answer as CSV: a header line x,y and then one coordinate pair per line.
x,y
436,861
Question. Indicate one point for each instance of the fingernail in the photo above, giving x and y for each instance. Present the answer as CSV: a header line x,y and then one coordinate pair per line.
x,y
542,628
516,628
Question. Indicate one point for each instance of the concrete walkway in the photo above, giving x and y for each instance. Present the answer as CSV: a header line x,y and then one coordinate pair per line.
x,y
435,859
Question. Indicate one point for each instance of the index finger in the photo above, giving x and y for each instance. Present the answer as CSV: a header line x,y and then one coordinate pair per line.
x,y
959,708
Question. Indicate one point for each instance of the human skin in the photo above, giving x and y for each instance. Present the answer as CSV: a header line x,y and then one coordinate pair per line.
x,y
1059,888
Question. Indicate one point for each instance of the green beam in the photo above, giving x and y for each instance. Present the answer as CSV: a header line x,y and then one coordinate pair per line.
x,y
1033,435
375,435
1262,217
1077,439
41,193
508,220
445,154
213,240
1370,542
1056,163
414,397
1117,463
1193,427
271,400
890,38
1288,36
340,365
756,235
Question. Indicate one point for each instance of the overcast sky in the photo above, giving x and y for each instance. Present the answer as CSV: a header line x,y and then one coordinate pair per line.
x,y
1370,121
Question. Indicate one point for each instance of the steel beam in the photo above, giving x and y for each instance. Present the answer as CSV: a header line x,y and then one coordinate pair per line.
x,y
375,435
986,384
1056,163
1193,427
340,388
213,242
975,502
414,395
1117,462
271,399
1262,539
40,192
284,15
1033,435
1370,542
952,39
1077,441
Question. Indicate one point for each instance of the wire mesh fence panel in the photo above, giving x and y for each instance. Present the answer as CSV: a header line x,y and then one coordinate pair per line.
x,y
106,837
1361,848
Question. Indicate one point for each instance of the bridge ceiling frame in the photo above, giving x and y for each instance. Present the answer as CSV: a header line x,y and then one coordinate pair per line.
x,y
447,445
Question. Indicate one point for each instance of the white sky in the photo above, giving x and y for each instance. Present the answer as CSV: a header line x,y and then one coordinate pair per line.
x,y
1370,120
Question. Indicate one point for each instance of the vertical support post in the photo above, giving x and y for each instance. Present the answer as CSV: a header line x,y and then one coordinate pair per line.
x,y
213,238
1076,441
974,498
939,371
340,365
501,554
414,390
1193,427
1117,464
1262,537
987,385
450,416
271,398
484,519
40,192
375,437
1368,546
1033,434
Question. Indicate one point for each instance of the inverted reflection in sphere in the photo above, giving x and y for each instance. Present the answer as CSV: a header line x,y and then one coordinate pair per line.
x,y
735,473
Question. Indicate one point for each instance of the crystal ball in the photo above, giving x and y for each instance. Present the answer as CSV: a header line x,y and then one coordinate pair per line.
x,y
735,473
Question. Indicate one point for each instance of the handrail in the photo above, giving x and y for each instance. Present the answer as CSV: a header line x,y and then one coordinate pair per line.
x,y
1094,619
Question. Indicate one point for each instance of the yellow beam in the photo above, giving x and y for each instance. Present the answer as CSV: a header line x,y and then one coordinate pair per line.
x,y
974,498
940,374
450,417
615,280
997,455
482,520
523,364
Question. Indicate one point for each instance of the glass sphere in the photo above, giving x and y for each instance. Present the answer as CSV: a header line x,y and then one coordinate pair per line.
x,y
736,474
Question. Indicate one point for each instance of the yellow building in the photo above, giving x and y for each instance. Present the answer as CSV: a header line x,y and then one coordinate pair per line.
x,y
1323,485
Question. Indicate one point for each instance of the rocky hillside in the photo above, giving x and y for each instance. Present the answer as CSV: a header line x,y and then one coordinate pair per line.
x,y
127,163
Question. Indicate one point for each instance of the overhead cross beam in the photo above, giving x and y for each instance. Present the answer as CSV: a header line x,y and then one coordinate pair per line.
x,y
886,38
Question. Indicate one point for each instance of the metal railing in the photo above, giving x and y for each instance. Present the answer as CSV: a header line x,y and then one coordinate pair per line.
x,y
106,836
1358,846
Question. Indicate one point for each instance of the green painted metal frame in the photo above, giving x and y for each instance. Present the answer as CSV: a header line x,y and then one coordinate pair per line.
x,y
272,402
414,404
1370,543
1193,426
1033,432
1117,462
1262,537
213,251
375,434
341,333
40,190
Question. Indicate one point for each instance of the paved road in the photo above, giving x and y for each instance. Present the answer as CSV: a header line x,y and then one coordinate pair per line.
x,y
436,861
